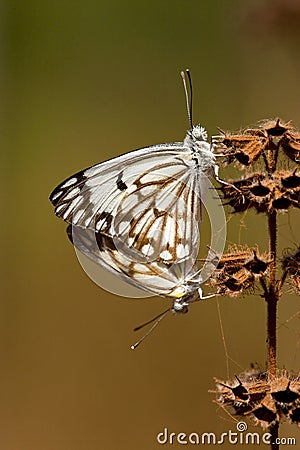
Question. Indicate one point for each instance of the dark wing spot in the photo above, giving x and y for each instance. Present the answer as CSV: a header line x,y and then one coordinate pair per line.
x,y
120,183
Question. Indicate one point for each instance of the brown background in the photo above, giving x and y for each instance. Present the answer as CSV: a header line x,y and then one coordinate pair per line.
x,y
82,82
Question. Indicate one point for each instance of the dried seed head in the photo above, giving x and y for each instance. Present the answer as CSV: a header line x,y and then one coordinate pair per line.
x,y
236,255
243,148
238,270
291,145
246,147
276,128
264,401
285,396
278,191
265,413
237,394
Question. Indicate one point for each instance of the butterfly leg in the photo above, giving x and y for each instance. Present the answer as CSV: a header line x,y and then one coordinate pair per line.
x,y
197,279
217,178
200,292
204,297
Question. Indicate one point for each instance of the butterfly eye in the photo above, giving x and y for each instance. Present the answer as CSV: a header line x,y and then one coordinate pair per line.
x,y
179,307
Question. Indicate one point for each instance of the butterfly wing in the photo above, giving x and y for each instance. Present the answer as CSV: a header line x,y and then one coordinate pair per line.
x,y
89,198
155,277
149,200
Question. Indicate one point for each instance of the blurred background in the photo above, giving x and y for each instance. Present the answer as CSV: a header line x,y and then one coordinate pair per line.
x,y
82,82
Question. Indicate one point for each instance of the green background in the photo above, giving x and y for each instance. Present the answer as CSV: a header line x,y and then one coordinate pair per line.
x,y
82,82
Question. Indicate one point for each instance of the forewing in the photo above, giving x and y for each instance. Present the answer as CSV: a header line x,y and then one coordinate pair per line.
x,y
146,208
90,198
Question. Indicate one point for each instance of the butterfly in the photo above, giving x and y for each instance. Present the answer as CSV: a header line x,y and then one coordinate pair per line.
x,y
138,215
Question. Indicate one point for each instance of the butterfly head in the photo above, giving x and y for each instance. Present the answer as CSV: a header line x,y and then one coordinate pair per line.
x,y
196,137
198,133
181,305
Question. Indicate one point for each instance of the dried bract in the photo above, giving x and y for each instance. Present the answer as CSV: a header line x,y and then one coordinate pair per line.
x,y
265,401
246,147
291,145
238,270
278,191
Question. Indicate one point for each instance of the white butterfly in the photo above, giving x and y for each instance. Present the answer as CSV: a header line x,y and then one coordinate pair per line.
x,y
138,215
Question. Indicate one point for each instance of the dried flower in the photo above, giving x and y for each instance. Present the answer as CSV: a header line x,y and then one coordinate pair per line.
x,y
271,396
265,401
238,270
278,191
247,146
291,145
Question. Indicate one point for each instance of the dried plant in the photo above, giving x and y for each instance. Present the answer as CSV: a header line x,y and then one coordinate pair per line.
x,y
273,395
265,400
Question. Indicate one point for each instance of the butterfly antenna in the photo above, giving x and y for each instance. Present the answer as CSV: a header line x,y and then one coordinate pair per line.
x,y
157,320
188,97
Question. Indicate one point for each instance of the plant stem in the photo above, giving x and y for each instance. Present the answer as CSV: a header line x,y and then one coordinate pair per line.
x,y
271,297
274,433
